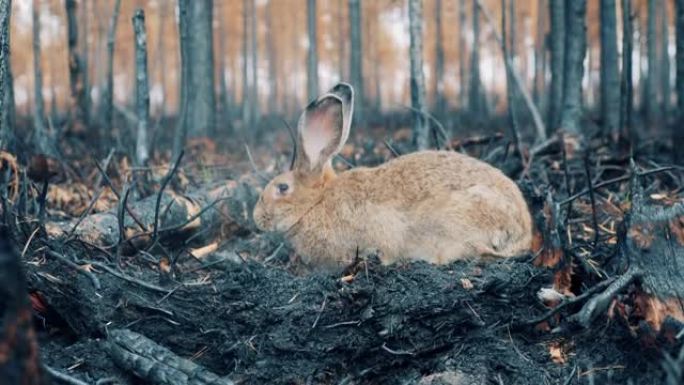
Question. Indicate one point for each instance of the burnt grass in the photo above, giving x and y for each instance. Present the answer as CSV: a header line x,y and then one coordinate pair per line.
x,y
391,324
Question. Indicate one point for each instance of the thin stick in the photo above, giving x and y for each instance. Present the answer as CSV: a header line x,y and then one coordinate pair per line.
x,y
254,167
592,199
118,196
63,377
613,181
165,182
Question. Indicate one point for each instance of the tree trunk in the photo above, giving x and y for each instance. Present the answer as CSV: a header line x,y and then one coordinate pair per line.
x,y
341,41
108,92
557,47
575,49
41,138
665,86
246,99
85,49
463,92
181,133
142,88
510,95
438,87
651,101
200,119
356,59
678,132
272,60
626,89
475,94
77,109
312,57
20,359
421,128
254,49
539,57
7,138
610,77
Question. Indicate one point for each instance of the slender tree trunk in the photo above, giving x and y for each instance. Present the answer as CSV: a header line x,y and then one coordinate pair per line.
x,y
513,31
199,63
76,72
438,87
246,99
312,57
610,76
476,100
341,41
652,59
108,92
539,56
181,133
41,138
626,89
85,62
510,96
161,59
463,91
272,60
575,50
421,128
356,59
142,89
6,130
256,113
678,132
665,86
557,46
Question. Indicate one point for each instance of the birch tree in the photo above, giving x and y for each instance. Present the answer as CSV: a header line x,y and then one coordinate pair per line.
x,y
421,130
142,89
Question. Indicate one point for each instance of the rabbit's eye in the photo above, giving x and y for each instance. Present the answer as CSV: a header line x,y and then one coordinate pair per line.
x,y
282,188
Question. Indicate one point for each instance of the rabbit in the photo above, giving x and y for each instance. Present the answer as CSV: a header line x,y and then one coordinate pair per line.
x,y
437,206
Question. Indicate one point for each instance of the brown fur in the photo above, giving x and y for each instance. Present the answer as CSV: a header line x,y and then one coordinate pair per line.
x,y
432,205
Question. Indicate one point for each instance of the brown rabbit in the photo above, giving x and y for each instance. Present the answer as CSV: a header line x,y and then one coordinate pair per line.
x,y
432,205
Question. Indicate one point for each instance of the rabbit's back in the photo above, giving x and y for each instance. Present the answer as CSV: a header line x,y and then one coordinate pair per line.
x,y
433,205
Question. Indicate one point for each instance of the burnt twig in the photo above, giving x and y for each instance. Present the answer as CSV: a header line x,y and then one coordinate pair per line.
x,y
165,182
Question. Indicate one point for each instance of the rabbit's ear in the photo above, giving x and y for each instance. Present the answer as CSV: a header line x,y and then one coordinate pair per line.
x,y
323,129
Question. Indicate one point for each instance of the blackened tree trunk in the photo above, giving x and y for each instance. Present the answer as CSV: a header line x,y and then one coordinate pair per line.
x,y
626,89
41,138
438,87
181,132
575,50
678,133
142,89
84,43
20,359
356,59
198,63
557,47
665,86
463,94
475,93
610,78
510,96
6,129
421,128
108,93
312,58
77,109
224,101
651,90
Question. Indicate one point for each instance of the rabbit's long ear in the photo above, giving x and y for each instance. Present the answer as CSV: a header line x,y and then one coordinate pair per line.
x,y
323,129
